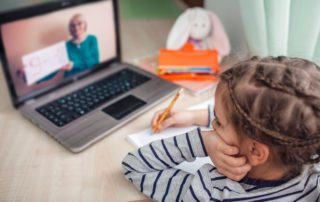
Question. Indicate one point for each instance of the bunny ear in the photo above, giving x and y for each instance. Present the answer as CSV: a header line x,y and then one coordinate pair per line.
x,y
180,31
218,36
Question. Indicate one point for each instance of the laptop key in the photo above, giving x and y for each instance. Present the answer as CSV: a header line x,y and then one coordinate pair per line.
x,y
76,104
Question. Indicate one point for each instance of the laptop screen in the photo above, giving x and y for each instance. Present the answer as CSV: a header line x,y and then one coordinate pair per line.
x,y
48,49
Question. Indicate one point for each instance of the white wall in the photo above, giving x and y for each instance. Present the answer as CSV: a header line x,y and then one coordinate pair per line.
x,y
229,14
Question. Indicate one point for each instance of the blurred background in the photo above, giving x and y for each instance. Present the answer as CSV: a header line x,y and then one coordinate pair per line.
x,y
149,22
254,27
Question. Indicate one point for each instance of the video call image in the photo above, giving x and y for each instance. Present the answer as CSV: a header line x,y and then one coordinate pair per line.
x,y
46,49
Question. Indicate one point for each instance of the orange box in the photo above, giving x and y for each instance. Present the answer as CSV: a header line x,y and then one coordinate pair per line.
x,y
184,58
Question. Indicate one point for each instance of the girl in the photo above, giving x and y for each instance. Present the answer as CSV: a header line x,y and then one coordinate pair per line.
x,y
269,109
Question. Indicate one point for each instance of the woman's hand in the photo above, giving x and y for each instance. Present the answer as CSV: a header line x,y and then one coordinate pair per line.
x,y
175,119
223,156
67,67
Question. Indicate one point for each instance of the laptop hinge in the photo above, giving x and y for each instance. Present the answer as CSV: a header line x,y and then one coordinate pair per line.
x,y
29,102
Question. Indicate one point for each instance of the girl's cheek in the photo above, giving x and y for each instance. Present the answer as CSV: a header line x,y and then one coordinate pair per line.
x,y
219,132
226,136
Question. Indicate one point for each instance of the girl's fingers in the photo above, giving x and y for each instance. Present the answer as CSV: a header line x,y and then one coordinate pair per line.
x,y
156,118
167,123
232,176
235,173
227,149
233,161
222,146
158,115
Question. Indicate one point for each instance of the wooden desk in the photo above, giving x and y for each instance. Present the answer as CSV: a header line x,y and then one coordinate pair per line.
x,y
34,167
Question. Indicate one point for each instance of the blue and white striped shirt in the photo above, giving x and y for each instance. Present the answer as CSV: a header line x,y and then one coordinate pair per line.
x,y
152,170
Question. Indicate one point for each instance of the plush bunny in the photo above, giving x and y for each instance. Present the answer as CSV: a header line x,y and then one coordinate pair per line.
x,y
200,27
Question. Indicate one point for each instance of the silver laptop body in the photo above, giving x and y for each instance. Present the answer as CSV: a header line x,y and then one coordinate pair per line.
x,y
87,129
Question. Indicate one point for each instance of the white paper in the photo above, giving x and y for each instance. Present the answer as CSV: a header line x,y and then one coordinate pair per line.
x,y
144,137
43,62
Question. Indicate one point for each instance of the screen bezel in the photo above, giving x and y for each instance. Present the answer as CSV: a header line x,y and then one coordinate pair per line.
x,y
41,9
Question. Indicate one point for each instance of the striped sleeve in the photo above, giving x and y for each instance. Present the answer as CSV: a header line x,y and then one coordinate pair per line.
x,y
151,167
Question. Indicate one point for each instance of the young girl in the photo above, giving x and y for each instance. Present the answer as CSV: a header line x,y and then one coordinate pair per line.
x,y
269,109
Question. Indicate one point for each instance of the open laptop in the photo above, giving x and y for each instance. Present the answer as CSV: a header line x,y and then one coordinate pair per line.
x,y
63,69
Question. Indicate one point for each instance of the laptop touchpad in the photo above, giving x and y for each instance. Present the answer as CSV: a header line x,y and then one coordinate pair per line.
x,y
123,107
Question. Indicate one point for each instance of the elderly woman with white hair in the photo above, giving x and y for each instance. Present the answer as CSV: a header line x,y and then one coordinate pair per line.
x,y
82,48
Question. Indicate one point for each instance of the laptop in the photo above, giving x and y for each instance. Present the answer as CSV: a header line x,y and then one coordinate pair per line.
x,y
63,69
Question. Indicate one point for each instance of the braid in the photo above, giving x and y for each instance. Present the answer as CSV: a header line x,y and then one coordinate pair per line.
x,y
294,81
277,101
281,139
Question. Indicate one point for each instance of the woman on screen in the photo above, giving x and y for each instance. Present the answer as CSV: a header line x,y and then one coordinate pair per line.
x,y
82,50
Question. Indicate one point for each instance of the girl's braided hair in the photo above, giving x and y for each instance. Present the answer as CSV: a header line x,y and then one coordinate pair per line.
x,y
276,100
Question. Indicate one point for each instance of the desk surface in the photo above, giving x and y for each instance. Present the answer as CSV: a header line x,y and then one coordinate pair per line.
x,y
34,167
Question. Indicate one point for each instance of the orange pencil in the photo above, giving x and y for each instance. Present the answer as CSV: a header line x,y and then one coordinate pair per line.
x,y
167,110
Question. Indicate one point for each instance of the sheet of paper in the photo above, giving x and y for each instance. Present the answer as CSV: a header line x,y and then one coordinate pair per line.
x,y
43,62
144,137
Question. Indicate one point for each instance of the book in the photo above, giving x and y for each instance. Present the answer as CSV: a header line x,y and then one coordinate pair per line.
x,y
145,137
150,63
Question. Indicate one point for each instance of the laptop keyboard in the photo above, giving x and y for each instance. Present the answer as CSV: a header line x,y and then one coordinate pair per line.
x,y
76,104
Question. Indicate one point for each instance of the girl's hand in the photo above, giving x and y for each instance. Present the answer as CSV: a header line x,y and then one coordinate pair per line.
x,y
223,156
175,118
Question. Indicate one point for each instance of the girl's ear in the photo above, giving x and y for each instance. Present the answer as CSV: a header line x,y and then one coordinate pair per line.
x,y
180,31
258,153
218,36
